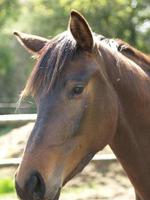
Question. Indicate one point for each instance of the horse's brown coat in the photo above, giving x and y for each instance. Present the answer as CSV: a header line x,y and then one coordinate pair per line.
x,y
113,108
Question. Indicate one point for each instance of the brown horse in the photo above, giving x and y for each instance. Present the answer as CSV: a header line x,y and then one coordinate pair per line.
x,y
88,95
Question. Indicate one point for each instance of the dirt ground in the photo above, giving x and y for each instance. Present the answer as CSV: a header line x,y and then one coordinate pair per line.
x,y
103,180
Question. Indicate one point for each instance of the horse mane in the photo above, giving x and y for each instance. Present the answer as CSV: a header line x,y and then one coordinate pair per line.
x,y
143,60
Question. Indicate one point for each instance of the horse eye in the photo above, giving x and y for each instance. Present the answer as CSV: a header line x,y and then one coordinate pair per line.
x,y
77,90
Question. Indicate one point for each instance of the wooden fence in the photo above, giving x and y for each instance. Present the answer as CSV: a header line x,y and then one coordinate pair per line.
x,y
14,162
17,119
10,108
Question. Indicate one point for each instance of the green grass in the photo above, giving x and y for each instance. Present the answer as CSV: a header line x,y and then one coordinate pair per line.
x,y
5,129
7,190
6,186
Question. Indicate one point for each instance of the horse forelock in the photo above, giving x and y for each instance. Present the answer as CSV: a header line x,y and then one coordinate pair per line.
x,y
54,56
56,53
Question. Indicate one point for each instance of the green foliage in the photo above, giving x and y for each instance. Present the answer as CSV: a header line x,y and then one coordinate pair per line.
x,y
7,8
126,19
6,185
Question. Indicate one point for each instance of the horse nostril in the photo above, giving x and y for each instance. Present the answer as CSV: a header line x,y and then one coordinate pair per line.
x,y
35,186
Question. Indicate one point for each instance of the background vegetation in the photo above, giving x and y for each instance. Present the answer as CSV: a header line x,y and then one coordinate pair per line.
x,y
126,19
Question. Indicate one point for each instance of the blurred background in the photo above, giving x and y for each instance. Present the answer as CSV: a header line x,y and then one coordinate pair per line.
x,y
125,19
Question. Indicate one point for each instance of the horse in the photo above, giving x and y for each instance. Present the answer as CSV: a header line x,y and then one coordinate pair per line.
x,y
90,92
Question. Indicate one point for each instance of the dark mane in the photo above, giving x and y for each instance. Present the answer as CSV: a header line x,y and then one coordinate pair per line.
x,y
143,60
128,51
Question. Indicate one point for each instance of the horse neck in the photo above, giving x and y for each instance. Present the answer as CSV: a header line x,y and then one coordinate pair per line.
x,y
131,143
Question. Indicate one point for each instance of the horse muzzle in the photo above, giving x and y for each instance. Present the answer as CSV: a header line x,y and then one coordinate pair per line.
x,y
35,189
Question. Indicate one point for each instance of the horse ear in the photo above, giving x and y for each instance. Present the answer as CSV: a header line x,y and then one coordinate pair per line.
x,y
32,43
81,31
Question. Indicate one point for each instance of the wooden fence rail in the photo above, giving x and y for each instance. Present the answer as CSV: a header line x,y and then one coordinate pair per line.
x,y
14,162
17,119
